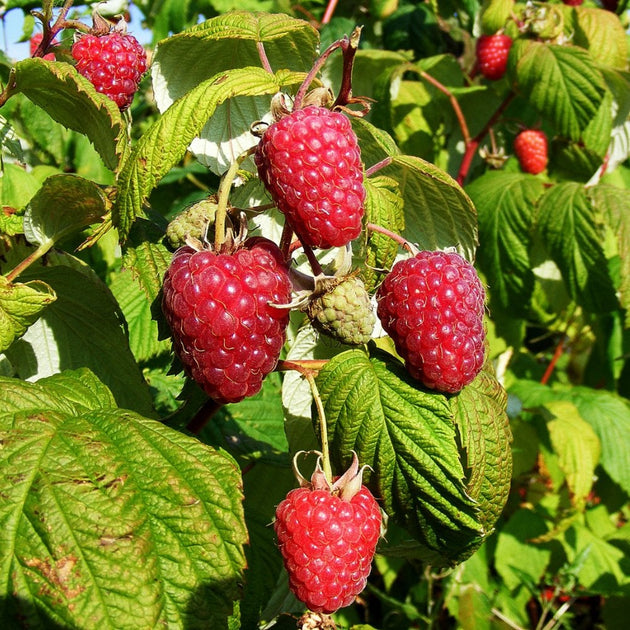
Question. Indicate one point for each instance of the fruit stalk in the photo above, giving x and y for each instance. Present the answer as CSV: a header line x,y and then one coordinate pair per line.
x,y
224,194
323,429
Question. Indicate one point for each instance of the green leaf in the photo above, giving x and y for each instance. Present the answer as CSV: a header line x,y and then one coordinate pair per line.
x,y
227,42
495,14
63,205
20,305
408,438
506,205
72,100
613,204
438,213
600,567
576,445
383,207
602,34
82,328
515,556
561,82
572,233
166,141
375,144
482,421
17,186
607,413
110,516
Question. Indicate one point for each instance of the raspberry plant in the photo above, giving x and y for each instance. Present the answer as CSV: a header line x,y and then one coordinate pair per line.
x,y
138,493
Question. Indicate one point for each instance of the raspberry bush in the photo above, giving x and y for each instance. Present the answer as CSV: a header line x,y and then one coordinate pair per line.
x,y
315,241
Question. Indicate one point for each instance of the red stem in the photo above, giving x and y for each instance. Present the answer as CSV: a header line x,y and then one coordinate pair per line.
x,y
473,145
552,364
330,10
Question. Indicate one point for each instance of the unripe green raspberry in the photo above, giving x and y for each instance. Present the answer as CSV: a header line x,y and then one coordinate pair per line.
x,y
191,223
341,309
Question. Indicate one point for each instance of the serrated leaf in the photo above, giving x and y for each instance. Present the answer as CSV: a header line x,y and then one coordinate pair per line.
x,y
602,34
572,233
101,497
383,207
20,305
515,556
166,141
82,328
495,14
561,82
72,100
613,203
577,446
63,205
607,413
408,437
227,42
506,205
438,213
375,144
482,421
600,566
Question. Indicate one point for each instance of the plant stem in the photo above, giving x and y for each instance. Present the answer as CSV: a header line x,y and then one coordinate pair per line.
x,y
264,60
224,193
303,366
377,167
297,101
473,145
29,260
330,10
312,260
203,416
323,429
349,48
403,242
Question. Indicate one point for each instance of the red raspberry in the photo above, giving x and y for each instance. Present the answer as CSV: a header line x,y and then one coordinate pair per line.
x,y
310,163
530,147
114,63
225,331
327,541
432,306
492,55
34,43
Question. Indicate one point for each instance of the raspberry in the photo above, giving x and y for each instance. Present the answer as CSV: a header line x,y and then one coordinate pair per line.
x,y
310,163
530,147
192,222
218,305
114,63
327,537
432,306
492,55
34,43
341,309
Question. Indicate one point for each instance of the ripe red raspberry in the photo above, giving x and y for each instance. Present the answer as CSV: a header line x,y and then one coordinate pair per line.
x,y
530,147
225,331
492,55
114,63
327,537
34,43
432,306
310,163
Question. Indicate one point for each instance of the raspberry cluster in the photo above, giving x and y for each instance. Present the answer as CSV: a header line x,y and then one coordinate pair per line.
x,y
432,306
220,307
114,63
310,163
327,544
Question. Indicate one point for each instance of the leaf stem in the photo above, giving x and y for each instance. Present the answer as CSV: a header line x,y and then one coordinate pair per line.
x,y
29,260
401,240
330,10
264,60
473,144
377,167
224,193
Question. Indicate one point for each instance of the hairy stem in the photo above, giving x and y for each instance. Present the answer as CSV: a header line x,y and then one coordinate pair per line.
x,y
29,260
264,60
323,428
